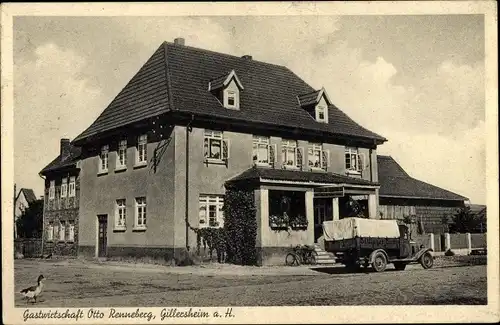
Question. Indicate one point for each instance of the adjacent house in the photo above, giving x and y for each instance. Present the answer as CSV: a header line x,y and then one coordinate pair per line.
x,y
401,195
61,202
23,199
188,124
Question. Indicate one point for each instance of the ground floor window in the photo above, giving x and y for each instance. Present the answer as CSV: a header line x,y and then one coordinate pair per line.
x,y
62,230
211,211
140,212
287,207
71,231
50,231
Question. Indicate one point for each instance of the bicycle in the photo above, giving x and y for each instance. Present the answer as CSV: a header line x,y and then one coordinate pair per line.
x,y
301,254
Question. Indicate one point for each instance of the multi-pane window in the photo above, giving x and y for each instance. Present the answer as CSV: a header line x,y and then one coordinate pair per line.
x,y
72,182
289,153
56,231
261,150
211,211
213,144
317,157
50,231
321,113
71,231
64,187
52,190
62,231
215,147
121,161
142,152
121,214
353,160
231,101
140,212
103,159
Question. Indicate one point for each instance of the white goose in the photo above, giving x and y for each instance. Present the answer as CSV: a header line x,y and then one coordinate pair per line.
x,y
34,291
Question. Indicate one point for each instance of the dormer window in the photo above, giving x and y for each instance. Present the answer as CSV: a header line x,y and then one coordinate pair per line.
x,y
321,113
227,89
316,104
231,98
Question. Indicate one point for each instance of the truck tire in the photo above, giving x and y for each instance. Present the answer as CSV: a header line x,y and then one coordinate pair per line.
x,y
400,266
379,262
427,260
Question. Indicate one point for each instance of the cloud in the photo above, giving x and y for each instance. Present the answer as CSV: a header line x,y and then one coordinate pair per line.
x,y
434,124
51,101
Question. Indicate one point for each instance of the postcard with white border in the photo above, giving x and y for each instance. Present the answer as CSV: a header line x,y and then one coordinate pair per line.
x,y
253,162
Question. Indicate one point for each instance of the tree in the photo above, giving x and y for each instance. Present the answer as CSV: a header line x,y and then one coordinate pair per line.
x,y
464,221
30,223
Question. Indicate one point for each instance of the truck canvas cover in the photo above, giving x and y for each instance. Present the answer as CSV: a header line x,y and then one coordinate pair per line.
x,y
358,227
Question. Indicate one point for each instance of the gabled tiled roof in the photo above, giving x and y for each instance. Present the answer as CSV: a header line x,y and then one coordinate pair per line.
x,y
256,173
176,78
58,163
395,182
28,193
308,99
145,95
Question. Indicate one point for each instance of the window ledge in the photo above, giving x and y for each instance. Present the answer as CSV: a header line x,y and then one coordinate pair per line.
x,y
119,229
140,165
215,161
262,164
353,172
120,169
101,173
318,169
291,167
139,229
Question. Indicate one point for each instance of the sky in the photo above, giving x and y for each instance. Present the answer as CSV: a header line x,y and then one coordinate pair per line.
x,y
416,80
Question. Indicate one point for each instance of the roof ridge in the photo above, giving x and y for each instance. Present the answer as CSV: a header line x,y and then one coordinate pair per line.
x,y
222,53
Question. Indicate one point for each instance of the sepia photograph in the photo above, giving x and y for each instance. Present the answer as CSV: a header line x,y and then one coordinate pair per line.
x,y
176,161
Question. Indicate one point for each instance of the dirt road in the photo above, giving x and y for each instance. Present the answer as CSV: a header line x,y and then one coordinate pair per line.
x,y
75,283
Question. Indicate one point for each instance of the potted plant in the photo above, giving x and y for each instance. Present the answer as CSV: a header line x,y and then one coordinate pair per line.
x,y
299,222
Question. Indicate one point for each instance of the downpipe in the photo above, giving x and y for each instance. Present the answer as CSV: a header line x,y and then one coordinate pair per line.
x,y
188,131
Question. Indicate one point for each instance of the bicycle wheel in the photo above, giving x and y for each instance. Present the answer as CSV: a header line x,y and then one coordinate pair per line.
x,y
291,259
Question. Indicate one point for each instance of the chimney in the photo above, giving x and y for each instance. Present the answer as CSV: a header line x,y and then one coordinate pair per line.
x,y
65,149
247,57
179,41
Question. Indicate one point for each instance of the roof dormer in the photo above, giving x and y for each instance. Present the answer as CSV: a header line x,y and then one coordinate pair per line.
x,y
316,104
227,89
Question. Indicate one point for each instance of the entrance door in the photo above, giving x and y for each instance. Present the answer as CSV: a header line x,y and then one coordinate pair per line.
x,y
102,237
319,217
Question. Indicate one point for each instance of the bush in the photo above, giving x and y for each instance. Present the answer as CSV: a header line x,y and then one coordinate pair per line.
x,y
240,225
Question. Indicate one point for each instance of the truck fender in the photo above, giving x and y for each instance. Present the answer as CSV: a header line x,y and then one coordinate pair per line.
x,y
372,255
421,252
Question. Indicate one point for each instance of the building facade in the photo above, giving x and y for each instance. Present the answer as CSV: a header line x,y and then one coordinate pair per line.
x,y
190,122
61,202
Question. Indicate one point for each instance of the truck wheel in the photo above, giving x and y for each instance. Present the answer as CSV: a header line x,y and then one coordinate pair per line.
x,y
427,261
399,266
379,262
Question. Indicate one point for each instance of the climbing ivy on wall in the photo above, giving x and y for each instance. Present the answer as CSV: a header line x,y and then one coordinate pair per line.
x,y
240,225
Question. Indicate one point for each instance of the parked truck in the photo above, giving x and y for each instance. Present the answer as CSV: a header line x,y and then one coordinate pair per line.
x,y
359,242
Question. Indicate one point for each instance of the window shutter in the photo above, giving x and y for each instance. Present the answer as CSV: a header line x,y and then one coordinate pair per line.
x,y
272,155
361,162
300,154
225,149
325,159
